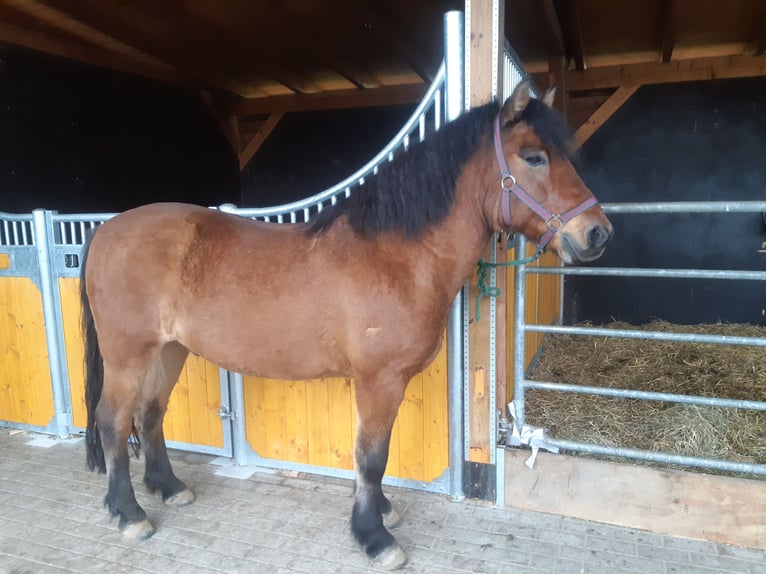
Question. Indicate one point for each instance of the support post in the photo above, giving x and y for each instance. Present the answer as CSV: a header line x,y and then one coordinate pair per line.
x,y
454,105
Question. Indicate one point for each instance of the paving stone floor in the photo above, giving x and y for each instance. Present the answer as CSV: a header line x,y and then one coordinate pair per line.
x,y
52,520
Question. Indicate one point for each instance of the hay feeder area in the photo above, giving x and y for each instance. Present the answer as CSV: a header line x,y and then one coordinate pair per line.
x,y
725,371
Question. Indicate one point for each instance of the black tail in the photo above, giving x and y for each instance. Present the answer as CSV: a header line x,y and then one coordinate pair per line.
x,y
94,373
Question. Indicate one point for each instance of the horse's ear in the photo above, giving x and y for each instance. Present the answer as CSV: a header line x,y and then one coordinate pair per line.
x,y
550,96
516,103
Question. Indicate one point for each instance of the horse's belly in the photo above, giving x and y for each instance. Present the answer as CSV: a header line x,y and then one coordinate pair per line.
x,y
267,350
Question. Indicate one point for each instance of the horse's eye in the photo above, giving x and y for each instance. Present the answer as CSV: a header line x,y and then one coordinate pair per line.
x,y
535,159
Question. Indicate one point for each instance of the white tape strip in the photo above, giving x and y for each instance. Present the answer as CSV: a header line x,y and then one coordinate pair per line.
x,y
533,437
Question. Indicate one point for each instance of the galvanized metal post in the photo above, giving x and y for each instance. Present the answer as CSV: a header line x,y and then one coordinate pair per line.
x,y
42,228
454,105
519,332
239,444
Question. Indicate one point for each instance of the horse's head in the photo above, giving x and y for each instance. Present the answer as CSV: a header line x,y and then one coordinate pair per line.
x,y
542,195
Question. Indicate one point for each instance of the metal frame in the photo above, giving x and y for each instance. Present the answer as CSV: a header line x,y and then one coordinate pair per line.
x,y
536,438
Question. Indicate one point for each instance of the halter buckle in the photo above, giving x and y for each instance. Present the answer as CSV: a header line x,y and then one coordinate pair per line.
x,y
505,179
554,223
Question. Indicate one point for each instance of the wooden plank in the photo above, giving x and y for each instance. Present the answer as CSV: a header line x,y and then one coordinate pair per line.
x,y
296,422
720,67
411,431
318,422
27,394
254,390
57,45
707,507
74,347
335,99
256,141
601,115
341,425
435,417
276,431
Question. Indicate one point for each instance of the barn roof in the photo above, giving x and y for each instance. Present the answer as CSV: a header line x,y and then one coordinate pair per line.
x,y
254,61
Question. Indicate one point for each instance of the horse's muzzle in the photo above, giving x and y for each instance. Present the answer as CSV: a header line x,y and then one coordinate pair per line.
x,y
572,251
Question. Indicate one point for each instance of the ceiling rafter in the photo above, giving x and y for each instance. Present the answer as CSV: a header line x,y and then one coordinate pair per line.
x,y
388,34
718,67
338,99
57,45
578,43
670,25
554,27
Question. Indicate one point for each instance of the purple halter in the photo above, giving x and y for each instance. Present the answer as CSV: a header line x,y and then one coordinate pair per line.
x,y
509,184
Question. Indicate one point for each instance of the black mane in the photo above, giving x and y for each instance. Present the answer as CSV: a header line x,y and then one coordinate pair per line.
x,y
417,189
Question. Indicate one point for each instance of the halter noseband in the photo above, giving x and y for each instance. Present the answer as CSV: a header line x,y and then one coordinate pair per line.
x,y
509,184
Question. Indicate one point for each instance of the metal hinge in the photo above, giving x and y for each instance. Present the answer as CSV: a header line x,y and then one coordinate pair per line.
x,y
225,413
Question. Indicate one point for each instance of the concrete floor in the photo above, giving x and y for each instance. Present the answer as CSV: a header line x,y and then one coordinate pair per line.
x,y
248,520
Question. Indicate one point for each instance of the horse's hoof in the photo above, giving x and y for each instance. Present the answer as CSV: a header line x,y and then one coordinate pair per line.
x,y
391,519
392,558
138,530
180,498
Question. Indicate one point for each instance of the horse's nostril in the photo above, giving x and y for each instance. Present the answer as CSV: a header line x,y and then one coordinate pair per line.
x,y
598,236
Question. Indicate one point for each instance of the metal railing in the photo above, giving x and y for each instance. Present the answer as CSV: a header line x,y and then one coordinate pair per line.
x,y
537,438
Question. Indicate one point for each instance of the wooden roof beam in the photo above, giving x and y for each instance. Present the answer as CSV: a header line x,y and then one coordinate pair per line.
x,y
82,31
337,99
57,45
578,44
669,32
554,28
256,141
739,66
599,117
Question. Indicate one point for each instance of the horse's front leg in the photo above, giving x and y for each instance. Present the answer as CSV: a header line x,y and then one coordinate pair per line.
x,y
378,401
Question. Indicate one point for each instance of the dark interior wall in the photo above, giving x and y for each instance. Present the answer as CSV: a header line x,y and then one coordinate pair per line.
x,y
75,138
701,141
309,152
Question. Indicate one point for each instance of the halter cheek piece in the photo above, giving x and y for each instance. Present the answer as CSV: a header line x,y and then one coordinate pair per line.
x,y
509,184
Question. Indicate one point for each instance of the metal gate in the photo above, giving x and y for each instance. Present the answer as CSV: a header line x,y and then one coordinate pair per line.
x,y
522,434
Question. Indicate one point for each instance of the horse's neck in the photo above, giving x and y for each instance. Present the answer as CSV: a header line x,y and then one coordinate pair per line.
x,y
462,238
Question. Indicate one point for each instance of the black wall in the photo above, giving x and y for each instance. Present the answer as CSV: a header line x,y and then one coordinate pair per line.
x,y
76,138
80,139
701,141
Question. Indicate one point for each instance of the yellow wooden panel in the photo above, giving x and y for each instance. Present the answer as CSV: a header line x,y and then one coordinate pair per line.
x,y
5,261
26,393
342,422
69,289
192,415
318,421
435,417
296,421
315,422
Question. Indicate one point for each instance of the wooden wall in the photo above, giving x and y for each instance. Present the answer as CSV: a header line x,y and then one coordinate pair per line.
x,y
26,395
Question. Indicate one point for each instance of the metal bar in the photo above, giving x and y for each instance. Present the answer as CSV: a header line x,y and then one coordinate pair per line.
x,y
454,96
240,446
652,335
651,456
352,180
42,220
519,332
687,207
646,395
651,272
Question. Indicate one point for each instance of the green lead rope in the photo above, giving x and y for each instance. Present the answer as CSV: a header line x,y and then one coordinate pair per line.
x,y
482,269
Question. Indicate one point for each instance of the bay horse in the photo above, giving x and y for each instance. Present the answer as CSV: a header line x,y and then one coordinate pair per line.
x,y
363,290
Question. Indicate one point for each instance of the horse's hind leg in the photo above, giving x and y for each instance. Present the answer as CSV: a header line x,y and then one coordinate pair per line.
x,y
378,401
159,383
114,420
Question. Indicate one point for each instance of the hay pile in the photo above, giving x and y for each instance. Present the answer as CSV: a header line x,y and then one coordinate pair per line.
x,y
727,371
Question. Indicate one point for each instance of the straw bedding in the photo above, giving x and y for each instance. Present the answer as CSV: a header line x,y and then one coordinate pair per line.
x,y
726,371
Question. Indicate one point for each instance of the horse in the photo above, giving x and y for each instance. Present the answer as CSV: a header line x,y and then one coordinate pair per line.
x,y
363,291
